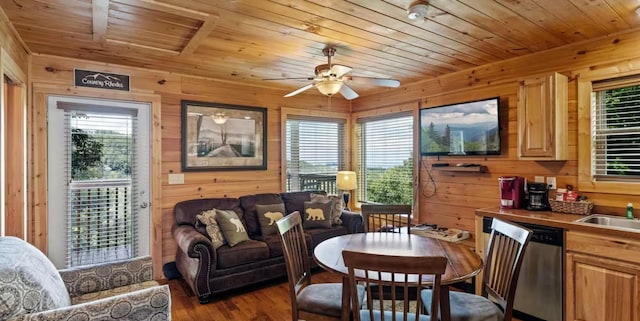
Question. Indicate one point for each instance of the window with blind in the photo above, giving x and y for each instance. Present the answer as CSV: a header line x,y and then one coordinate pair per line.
x,y
314,151
385,160
100,166
615,123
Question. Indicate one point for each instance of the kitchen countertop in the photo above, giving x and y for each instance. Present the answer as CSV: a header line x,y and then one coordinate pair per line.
x,y
560,220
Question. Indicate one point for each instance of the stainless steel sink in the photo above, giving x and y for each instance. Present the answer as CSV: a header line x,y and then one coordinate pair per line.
x,y
611,221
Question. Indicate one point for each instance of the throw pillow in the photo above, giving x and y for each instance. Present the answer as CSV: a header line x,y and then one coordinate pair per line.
x,y
268,215
29,282
336,206
317,214
232,228
208,218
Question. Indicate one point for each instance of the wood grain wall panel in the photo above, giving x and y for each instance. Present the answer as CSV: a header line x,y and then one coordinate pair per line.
x,y
15,161
13,65
13,45
588,58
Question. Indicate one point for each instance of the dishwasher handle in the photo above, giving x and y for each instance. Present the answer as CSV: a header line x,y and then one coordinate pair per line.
x,y
541,234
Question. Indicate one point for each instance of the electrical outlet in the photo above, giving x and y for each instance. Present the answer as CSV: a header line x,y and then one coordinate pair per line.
x,y
551,181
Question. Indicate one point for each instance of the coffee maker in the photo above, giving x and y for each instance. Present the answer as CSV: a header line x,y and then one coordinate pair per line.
x,y
538,197
511,191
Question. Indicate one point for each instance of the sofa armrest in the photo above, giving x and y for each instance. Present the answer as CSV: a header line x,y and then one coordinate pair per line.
x,y
192,242
148,304
352,221
106,276
196,259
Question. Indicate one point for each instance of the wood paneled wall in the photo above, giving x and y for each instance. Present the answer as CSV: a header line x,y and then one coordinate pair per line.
x,y
172,89
450,198
14,60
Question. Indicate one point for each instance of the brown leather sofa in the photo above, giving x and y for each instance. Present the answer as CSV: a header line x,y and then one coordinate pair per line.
x,y
209,272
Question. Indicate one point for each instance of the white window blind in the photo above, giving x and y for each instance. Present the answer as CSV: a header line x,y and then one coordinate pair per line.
x,y
385,160
615,121
101,157
314,151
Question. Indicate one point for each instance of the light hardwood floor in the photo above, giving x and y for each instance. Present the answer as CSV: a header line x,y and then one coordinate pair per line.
x,y
268,302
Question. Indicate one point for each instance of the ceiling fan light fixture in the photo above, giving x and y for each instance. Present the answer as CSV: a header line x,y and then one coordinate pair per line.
x,y
418,10
329,87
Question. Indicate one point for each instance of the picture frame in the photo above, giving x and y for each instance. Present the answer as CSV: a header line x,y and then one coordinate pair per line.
x,y
221,137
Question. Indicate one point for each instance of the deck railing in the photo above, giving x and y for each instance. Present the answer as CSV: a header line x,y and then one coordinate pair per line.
x,y
312,182
100,222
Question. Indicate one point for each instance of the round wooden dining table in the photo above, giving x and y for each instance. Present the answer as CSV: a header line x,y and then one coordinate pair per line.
x,y
463,263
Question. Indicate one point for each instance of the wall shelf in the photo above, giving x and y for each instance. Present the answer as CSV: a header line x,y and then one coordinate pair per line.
x,y
474,169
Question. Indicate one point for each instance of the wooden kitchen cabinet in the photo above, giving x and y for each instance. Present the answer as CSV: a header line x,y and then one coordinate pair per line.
x,y
543,118
602,278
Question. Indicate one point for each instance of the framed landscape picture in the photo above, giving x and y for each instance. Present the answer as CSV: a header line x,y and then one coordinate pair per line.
x,y
217,137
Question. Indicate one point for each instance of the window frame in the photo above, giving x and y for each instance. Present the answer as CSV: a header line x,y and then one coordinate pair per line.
x,y
312,115
586,181
406,109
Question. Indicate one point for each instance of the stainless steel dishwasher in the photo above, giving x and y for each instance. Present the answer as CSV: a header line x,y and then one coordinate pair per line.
x,y
539,291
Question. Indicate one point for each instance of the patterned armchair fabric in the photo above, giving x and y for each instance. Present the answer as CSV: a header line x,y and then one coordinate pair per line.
x,y
107,276
29,282
32,289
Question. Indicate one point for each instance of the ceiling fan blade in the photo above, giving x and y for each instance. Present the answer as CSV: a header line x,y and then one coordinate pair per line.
x,y
299,90
374,81
290,78
348,93
340,70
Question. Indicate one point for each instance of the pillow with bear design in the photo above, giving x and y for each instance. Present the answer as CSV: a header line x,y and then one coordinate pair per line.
x,y
317,215
268,214
232,228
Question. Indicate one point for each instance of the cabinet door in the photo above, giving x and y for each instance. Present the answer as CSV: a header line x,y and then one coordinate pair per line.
x,y
542,118
599,289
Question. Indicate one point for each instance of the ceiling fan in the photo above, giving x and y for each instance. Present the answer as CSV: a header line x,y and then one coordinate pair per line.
x,y
331,78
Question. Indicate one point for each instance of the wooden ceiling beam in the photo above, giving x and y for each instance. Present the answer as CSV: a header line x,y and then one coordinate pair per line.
x,y
200,35
100,12
166,8
137,45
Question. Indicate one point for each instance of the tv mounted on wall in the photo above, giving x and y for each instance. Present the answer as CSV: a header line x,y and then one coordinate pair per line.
x,y
468,128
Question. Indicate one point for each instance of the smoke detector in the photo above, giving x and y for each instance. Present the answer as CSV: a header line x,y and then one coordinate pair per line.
x,y
418,10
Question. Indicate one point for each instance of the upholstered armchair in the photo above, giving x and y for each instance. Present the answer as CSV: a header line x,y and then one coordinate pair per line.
x,y
32,289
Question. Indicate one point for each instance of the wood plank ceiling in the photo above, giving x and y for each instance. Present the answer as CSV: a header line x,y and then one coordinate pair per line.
x,y
251,40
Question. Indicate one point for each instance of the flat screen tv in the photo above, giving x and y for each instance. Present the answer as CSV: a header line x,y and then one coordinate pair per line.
x,y
468,128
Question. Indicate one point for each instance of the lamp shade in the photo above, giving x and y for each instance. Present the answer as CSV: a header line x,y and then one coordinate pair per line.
x,y
346,180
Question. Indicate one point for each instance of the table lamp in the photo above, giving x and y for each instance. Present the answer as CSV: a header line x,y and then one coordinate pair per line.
x,y
346,181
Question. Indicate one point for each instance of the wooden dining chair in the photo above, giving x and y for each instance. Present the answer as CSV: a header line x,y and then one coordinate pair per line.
x,y
321,301
505,253
401,274
386,218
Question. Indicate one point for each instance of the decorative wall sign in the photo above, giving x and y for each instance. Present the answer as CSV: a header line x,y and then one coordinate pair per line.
x,y
223,137
97,79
